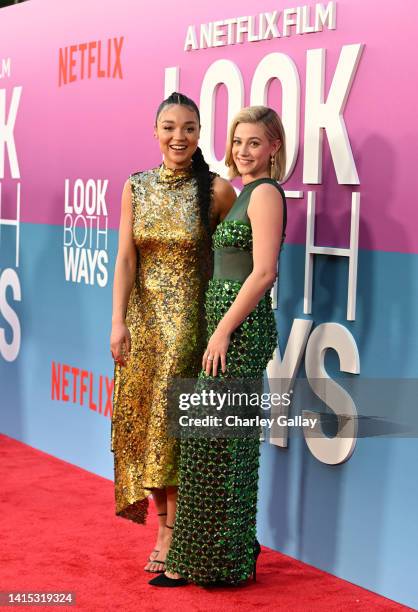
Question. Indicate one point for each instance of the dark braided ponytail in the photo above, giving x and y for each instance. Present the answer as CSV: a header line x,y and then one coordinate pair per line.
x,y
201,172
204,180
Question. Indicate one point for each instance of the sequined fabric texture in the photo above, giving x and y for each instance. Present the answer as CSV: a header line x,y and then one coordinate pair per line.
x,y
215,526
165,319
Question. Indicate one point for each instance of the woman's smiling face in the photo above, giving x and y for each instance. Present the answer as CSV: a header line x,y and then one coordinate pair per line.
x,y
178,132
252,150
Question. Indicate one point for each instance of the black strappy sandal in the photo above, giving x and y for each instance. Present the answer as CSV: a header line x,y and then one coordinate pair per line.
x,y
156,550
160,571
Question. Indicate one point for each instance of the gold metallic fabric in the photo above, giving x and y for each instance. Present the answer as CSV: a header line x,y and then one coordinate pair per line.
x,y
166,322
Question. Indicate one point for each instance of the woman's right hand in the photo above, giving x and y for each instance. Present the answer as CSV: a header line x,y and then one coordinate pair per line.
x,y
120,343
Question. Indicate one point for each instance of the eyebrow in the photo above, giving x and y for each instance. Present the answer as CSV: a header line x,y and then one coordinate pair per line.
x,y
250,138
185,123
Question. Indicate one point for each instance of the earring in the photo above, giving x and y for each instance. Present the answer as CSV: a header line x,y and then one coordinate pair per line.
x,y
272,165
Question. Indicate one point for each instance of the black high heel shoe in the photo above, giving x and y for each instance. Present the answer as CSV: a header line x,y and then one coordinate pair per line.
x,y
164,581
257,550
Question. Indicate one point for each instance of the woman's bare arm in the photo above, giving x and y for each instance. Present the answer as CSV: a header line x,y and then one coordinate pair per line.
x,y
266,215
224,197
123,280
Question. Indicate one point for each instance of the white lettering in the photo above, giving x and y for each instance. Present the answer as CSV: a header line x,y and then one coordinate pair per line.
x,y
7,124
10,350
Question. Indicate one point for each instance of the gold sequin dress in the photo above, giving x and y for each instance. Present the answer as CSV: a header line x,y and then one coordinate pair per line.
x,y
166,322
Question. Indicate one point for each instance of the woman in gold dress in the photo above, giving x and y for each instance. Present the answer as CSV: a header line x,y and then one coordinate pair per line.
x,y
163,264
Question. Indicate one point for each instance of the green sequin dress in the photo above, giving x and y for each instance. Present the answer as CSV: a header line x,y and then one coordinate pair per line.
x,y
215,527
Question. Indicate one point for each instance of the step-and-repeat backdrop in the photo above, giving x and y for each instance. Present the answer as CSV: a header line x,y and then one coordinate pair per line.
x,y
80,83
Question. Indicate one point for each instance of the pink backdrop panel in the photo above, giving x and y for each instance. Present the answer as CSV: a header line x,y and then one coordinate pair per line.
x,y
103,128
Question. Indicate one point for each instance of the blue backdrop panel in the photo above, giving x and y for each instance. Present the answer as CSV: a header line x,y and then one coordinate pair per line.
x,y
355,520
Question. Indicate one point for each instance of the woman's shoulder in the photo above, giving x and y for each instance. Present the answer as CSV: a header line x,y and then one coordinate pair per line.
x,y
267,191
268,186
141,175
224,196
221,187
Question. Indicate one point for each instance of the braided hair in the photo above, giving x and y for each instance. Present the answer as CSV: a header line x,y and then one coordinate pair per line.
x,y
201,172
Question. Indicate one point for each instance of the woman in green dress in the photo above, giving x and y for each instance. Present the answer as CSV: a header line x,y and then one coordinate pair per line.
x,y
214,537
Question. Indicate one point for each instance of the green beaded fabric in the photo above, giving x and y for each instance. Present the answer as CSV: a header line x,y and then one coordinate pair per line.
x,y
215,527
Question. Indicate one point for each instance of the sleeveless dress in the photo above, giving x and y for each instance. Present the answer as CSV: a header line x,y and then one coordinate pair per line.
x,y
164,316
215,527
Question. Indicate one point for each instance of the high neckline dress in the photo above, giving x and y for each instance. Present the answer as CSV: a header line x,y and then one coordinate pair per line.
x,y
215,527
166,322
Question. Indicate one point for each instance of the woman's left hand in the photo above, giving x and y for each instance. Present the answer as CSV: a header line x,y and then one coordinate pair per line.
x,y
215,353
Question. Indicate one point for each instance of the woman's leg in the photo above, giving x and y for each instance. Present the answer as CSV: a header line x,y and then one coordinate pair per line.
x,y
165,531
160,500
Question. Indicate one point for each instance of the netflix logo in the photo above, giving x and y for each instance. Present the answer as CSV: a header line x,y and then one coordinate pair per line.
x,y
95,59
81,387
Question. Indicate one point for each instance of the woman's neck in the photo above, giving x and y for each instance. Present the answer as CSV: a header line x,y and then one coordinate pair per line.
x,y
249,178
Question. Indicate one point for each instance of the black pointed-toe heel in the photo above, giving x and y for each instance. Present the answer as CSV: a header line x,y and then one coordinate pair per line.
x,y
164,581
257,550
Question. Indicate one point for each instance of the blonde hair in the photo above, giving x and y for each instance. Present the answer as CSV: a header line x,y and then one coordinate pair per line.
x,y
274,131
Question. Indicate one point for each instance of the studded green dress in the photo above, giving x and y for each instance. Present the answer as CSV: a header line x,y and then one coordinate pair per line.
x,y
215,527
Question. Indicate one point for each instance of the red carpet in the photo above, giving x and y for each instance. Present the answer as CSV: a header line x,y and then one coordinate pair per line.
x,y
59,533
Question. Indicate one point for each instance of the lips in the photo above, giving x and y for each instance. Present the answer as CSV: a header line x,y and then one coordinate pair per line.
x,y
178,147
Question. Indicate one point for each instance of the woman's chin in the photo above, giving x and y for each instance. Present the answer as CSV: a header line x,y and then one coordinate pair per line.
x,y
245,172
183,159
245,169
